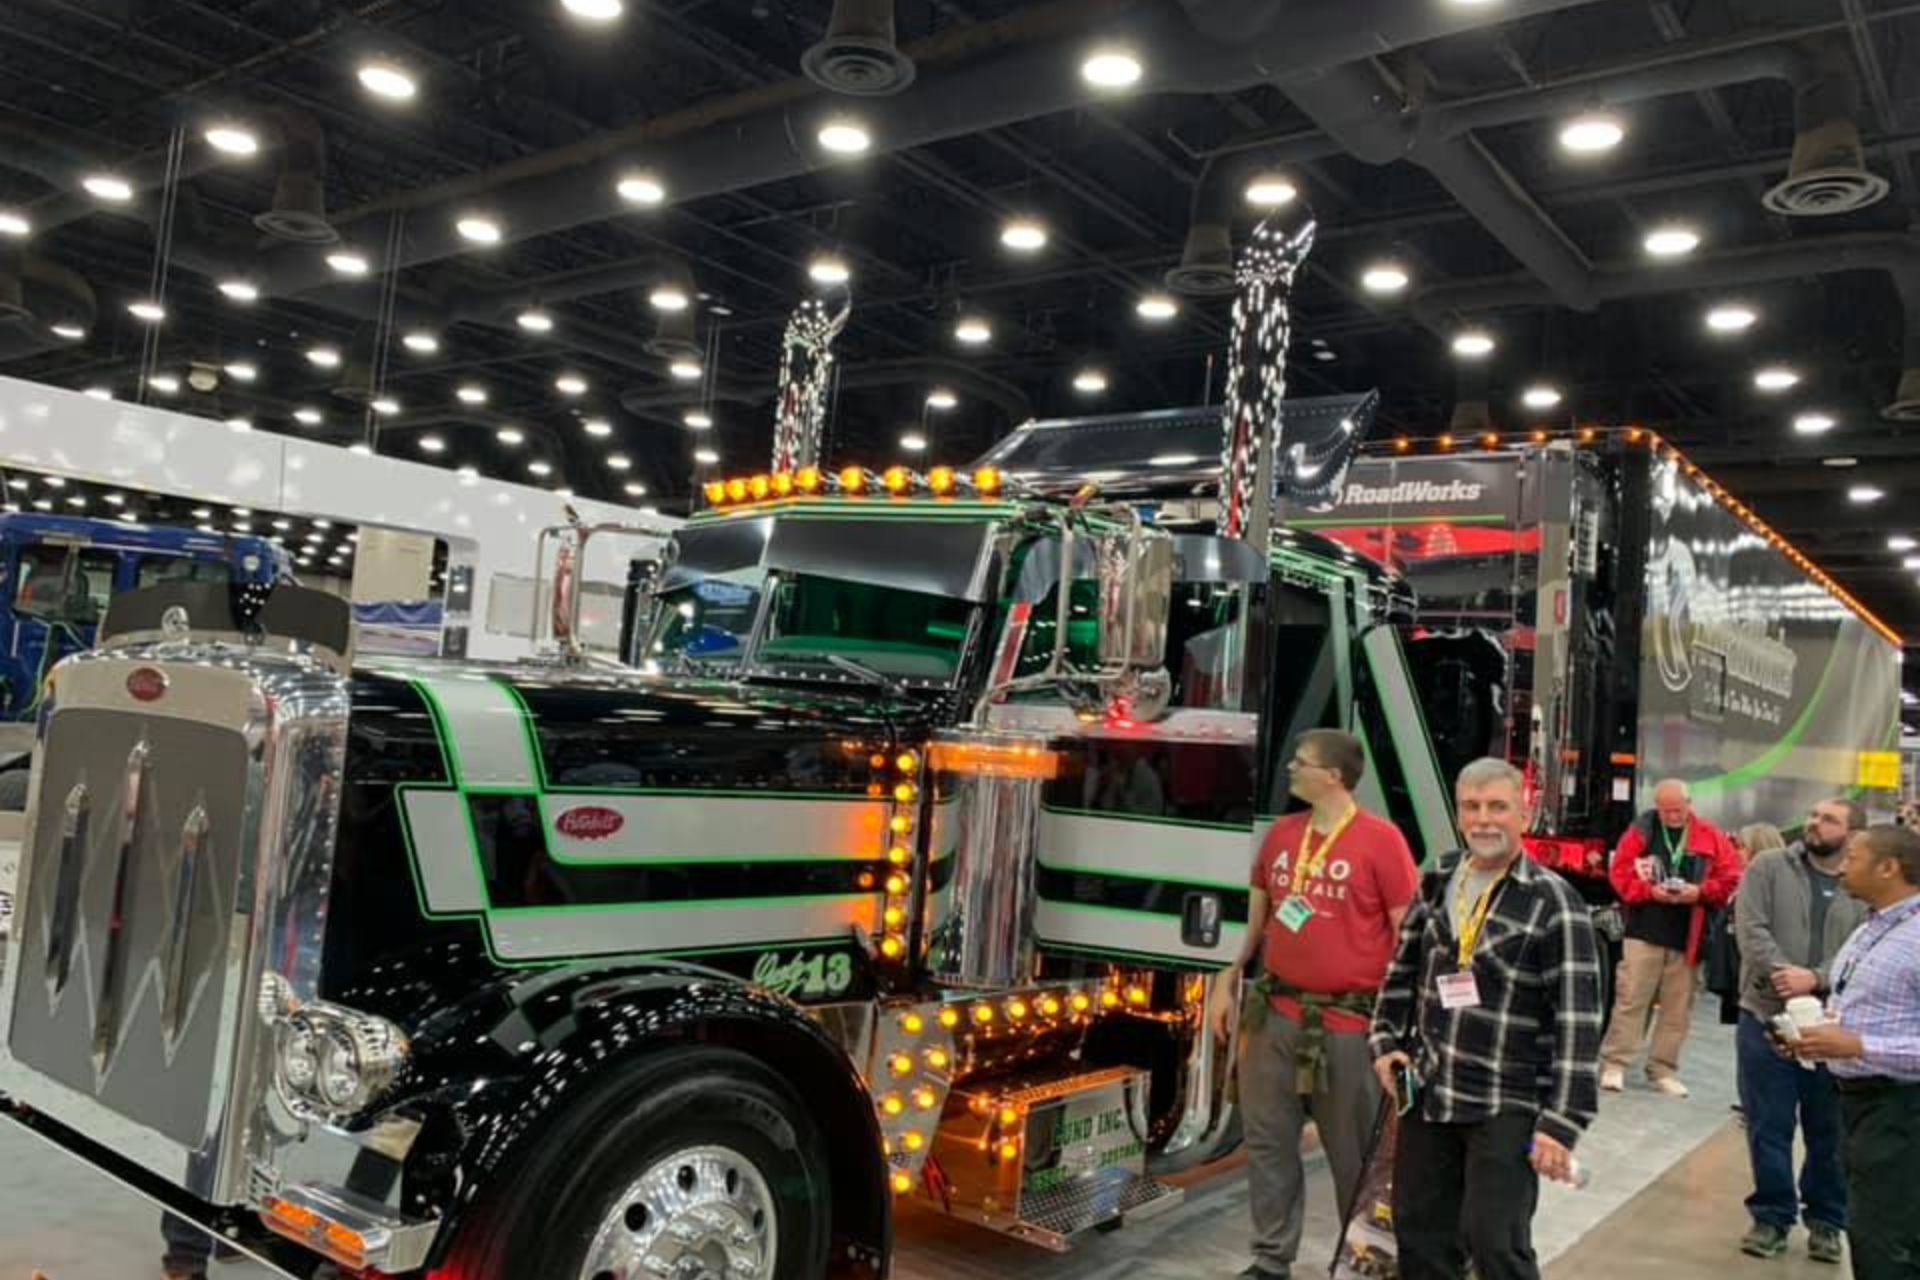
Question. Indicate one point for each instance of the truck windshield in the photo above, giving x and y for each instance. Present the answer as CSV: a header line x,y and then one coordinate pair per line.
x,y
710,621
910,636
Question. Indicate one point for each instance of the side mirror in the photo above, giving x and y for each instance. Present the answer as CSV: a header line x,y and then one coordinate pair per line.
x,y
1136,594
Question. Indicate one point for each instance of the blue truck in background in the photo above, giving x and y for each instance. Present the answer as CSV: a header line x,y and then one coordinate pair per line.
x,y
57,574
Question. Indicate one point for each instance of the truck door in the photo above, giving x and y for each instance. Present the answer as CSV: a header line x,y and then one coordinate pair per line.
x,y
43,606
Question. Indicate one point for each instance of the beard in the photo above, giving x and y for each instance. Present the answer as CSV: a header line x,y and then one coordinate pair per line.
x,y
1821,850
1489,845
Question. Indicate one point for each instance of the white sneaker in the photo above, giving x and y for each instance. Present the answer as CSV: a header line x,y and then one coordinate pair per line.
x,y
1671,1086
1613,1079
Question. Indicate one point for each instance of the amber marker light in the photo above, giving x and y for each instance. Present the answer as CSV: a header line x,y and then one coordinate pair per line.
x,y
892,1104
983,1014
782,484
949,1018
925,1098
942,481
736,490
902,1183
761,487
716,491
906,762
853,480
897,480
1079,1001
987,480
905,792
807,480
913,1024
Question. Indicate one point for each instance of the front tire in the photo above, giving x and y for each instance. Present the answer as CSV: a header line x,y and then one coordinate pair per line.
x,y
700,1159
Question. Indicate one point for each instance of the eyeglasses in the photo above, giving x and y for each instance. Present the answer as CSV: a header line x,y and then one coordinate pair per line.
x,y
1301,762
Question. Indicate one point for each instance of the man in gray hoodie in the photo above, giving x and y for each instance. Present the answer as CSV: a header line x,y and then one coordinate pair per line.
x,y
1791,918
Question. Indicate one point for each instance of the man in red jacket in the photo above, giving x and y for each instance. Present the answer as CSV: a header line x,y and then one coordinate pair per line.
x,y
1670,868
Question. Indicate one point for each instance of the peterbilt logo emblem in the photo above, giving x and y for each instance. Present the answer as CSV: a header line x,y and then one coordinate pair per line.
x,y
591,823
147,684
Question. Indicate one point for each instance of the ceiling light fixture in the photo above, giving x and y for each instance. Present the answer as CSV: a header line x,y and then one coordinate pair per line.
x,y
1540,396
307,416
165,383
323,357
1473,344
146,310
1090,382
1592,133
844,136
1271,191
1024,235
14,223
1776,378
706,457
478,229
1156,307
107,186
1111,67
237,290
669,297
913,442
387,80
241,370
386,406
1671,240
1731,318
432,444
1901,542
99,393
829,269
1864,494
1840,462
974,331
641,188
595,10
685,370
239,426
231,139
71,332
570,384
539,467
1814,424
634,489
619,462
347,263
534,320
599,428
420,342
1384,277
942,399
697,420
510,436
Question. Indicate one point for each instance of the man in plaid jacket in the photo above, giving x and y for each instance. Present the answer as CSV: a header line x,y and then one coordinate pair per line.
x,y
1492,1007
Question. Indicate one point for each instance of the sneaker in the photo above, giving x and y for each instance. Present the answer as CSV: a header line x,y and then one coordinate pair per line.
x,y
1613,1079
1257,1272
1671,1086
1764,1240
1823,1244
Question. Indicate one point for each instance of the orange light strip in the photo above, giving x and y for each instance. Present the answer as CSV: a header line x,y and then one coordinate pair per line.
x,y
1634,434
305,1227
988,760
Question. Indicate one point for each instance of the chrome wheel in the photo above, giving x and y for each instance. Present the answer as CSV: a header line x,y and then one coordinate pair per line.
x,y
704,1213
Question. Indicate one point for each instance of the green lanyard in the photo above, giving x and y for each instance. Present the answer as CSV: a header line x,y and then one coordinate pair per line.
x,y
1676,851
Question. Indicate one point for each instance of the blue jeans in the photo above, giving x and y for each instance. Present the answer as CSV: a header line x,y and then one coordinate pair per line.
x,y
1774,1093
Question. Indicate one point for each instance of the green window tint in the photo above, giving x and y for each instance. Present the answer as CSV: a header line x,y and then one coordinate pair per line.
x,y
907,635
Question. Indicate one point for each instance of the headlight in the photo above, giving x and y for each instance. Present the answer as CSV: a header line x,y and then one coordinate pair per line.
x,y
335,1062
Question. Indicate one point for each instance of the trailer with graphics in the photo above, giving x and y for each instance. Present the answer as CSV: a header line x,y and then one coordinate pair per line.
x,y
1603,614
899,861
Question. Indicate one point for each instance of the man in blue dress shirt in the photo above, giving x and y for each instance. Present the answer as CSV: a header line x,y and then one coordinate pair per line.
x,y
1871,1043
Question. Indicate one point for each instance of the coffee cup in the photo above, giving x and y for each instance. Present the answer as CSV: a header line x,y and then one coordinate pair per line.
x,y
1806,1011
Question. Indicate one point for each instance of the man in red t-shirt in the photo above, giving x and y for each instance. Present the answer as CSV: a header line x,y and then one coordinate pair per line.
x,y
1330,886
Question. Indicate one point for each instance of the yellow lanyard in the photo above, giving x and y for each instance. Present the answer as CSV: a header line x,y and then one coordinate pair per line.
x,y
1476,920
1312,861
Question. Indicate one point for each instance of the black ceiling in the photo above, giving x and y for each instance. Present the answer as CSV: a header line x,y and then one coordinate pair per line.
x,y
1442,153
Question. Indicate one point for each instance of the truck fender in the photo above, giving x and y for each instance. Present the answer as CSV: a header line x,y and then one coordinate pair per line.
x,y
489,1075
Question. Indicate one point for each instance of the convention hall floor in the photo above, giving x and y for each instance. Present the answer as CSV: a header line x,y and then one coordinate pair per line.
x,y
1665,1202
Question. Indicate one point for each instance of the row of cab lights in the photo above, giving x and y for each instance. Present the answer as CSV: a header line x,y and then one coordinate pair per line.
x,y
855,482
1738,509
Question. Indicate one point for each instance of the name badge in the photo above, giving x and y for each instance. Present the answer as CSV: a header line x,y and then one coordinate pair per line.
x,y
1294,913
1459,991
